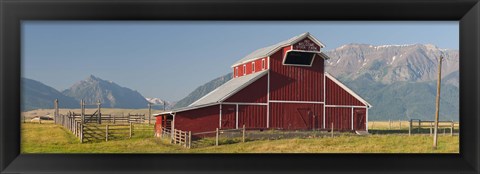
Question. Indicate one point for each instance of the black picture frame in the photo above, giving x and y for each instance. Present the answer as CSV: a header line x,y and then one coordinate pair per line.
x,y
14,11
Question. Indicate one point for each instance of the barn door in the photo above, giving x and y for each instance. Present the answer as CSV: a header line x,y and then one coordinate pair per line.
x,y
360,119
228,117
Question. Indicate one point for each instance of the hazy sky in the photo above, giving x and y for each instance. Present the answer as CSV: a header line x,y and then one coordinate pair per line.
x,y
168,59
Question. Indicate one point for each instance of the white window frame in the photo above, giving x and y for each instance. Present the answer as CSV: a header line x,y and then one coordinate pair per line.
x,y
236,71
286,54
244,69
263,64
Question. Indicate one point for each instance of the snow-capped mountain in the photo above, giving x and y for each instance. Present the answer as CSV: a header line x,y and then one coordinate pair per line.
x,y
159,103
391,63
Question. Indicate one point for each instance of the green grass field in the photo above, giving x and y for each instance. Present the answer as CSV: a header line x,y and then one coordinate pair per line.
x,y
51,138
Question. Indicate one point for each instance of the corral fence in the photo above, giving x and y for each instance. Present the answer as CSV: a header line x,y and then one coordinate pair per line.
x,y
102,127
421,125
188,139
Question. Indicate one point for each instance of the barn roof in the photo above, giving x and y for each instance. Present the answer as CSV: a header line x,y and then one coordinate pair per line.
x,y
228,89
348,90
267,51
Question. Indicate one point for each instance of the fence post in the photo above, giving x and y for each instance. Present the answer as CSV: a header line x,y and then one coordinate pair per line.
x,y
452,126
189,139
81,132
185,140
389,124
400,124
410,127
444,131
106,132
216,137
130,130
332,129
431,128
243,133
113,118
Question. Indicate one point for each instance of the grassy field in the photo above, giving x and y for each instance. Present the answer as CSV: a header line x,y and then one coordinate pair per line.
x,y
51,138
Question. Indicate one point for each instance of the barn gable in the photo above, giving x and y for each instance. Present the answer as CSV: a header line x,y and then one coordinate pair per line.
x,y
303,41
340,94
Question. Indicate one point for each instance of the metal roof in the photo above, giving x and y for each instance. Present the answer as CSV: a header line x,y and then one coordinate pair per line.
x,y
267,51
221,93
228,89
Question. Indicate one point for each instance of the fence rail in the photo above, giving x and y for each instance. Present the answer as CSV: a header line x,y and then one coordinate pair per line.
x,y
419,124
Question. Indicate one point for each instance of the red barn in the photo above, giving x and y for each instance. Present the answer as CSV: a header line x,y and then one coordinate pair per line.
x,y
282,86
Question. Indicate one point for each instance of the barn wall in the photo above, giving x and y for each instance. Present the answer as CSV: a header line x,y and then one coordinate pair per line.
x,y
253,116
336,95
253,93
258,67
198,120
158,126
229,116
291,116
359,118
340,116
296,83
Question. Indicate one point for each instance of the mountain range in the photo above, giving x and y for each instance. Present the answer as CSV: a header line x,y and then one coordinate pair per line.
x,y
398,80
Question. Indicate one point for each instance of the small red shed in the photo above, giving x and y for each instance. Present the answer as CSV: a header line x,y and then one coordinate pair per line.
x,y
282,86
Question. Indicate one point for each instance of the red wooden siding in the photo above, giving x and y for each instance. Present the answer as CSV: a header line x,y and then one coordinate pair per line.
x,y
296,116
359,118
256,92
340,116
336,95
258,67
198,120
253,116
306,45
229,116
158,125
295,83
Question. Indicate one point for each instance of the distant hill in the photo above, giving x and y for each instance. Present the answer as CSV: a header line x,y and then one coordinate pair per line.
x,y
203,90
158,103
398,80
36,95
110,94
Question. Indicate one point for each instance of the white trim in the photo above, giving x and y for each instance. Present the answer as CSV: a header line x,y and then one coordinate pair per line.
x,y
268,98
220,117
194,107
300,37
236,117
263,64
253,66
344,106
239,103
366,120
352,118
285,58
348,90
284,101
244,69
324,94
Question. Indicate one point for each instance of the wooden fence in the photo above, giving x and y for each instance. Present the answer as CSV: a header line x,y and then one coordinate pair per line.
x,y
420,124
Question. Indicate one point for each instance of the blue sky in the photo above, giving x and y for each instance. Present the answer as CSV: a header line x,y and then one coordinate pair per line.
x,y
169,59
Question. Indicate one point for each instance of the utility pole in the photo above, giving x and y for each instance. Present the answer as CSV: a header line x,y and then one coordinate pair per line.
x,y
149,112
437,108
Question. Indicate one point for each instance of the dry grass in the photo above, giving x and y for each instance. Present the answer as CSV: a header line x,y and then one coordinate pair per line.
x,y
50,138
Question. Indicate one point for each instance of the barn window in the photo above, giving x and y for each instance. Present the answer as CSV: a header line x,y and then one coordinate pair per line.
x,y
299,58
263,63
244,69
253,66
236,71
